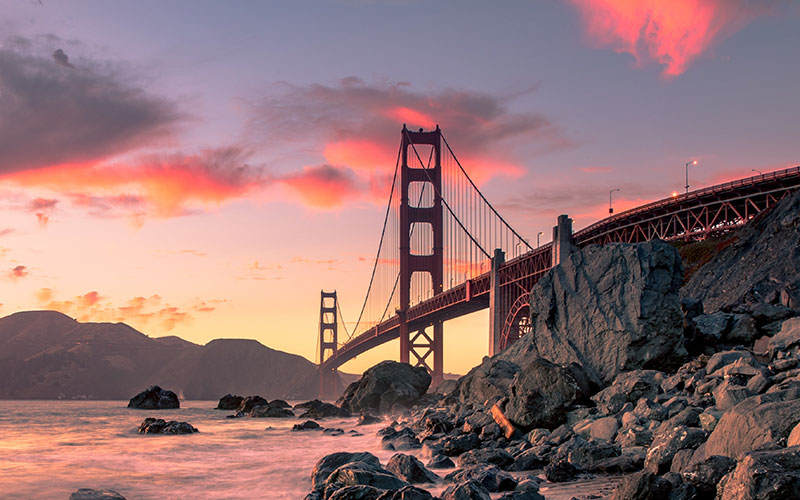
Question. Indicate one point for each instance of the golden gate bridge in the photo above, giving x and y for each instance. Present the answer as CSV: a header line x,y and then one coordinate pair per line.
x,y
445,251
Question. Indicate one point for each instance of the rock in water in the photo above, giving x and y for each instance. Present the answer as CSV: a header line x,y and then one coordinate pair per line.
x,y
229,402
155,398
318,409
90,494
608,308
160,426
385,385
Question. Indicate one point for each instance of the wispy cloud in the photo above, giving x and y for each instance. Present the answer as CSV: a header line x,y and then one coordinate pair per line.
x,y
672,33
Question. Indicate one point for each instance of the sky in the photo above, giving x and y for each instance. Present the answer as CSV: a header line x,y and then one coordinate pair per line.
x,y
204,169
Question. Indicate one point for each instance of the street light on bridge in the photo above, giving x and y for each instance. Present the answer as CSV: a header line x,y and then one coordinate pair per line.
x,y
759,171
537,238
693,162
610,208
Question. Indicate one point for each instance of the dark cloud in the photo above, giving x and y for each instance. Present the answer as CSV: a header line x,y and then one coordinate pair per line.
x,y
18,272
53,113
61,58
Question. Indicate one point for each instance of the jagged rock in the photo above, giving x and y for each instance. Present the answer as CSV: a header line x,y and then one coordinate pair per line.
x,y
634,437
586,454
757,422
152,425
667,444
358,492
560,472
488,476
648,409
522,495
711,327
318,410
493,456
689,417
743,330
541,394
609,309
537,436
327,464
681,459
727,395
154,398
762,475
407,493
308,425
709,419
229,402
367,419
269,412
249,403
456,445
468,490
643,485
477,421
90,494
631,460
384,386
410,469
488,382
787,339
721,359
364,474
705,475
628,387
441,462
527,460
403,439
740,274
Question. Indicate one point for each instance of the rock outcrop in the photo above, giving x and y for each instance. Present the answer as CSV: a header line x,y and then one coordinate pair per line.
x,y
160,426
154,398
608,309
384,386
763,475
229,402
90,494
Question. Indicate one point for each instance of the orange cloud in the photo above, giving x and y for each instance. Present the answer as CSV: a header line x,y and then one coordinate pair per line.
x,y
140,312
165,186
596,170
324,186
673,33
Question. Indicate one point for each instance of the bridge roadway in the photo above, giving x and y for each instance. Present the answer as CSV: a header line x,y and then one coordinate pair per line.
x,y
692,215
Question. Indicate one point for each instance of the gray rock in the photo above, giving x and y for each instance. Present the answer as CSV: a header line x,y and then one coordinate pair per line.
x,y
327,464
522,495
689,417
316,409
384,386
229,402
720,359
488,382
643,485
711,327
367,419
631,460
628,387
248,403
705,475
588,454
441,462
308,425
757,422
650,410
527,460
488,476
477,421
742,331
560,472
468,490
409,468
270,412
709,419
358,492
456,445
787,339
753,278
762,475
604,428
363,474
758,383
407,493
90,494
154,398
728,395
152,425
634,437
608,309
494,456
667,444
541,394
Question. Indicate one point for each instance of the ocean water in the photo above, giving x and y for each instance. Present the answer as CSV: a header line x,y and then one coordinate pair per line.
x,y
49,449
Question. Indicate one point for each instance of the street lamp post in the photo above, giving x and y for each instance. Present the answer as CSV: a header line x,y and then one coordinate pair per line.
x,y
759,171
610,209
693,162
537,238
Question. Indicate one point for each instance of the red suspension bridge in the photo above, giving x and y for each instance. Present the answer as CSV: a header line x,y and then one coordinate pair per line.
x,y
445,252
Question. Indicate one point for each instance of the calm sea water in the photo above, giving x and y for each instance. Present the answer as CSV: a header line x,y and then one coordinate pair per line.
x,y
49,449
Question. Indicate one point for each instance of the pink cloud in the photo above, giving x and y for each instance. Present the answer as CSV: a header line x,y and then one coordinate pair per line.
x,y
672,33
18,272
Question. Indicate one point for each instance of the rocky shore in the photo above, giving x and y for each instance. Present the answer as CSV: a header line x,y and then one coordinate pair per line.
x,y
680,391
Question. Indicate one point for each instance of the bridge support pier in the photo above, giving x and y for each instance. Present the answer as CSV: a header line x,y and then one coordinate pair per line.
x,y
498,308
562,239
329,383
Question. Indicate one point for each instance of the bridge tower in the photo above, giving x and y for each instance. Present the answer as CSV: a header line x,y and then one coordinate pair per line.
x,y
422,341
329,383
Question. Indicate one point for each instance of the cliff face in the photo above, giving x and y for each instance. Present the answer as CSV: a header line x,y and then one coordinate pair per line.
x,y
761,265
46,355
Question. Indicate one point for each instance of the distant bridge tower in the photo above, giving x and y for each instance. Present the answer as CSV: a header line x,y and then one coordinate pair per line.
x,y
329,384
420,341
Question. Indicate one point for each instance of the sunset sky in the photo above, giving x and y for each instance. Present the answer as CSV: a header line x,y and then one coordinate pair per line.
x,y
204,169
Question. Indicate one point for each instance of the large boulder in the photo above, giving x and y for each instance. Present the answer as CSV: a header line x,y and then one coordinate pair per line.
x,y
763,421
759,265
488,382
608,308
362,474
154,398
642,486
668,443
385,385
468,490
327,464
488,476
409,468
764,475
628,387
317,409
229,402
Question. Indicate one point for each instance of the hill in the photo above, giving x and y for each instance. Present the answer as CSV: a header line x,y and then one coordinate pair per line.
x,y
48,355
